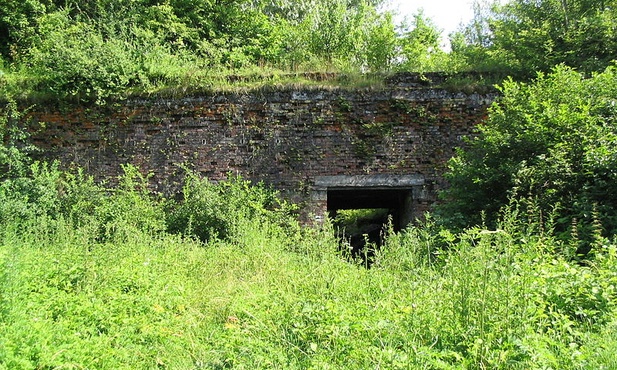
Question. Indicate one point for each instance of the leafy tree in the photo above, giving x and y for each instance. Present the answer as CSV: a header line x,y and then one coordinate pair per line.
x,y
381,44
525,36
420,45
553,141
472,44
332,30
18,25
296,10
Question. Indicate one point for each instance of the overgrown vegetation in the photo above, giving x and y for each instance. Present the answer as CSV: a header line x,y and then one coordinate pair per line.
x,y
516,269
96,50
226,278
550,142
523,37
100,50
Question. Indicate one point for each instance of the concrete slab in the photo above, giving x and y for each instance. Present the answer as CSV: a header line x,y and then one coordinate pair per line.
x,y
378,181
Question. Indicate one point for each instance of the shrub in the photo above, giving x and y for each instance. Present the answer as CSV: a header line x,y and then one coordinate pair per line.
x,y
216,211
551,141
73,59
130,210
15,150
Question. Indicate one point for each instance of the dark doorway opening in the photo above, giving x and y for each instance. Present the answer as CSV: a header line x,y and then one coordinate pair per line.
x,y
363,216
398,201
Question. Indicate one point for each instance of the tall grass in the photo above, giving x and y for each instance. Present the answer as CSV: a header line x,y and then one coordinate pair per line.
x,y
112,289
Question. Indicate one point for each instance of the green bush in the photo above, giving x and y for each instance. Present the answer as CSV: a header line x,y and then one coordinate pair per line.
x,y
552,142
130,210
15,150
75,60
27,189
31,196
217,211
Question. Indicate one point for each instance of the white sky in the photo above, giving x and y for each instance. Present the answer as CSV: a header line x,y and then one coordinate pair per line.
x,y
447,14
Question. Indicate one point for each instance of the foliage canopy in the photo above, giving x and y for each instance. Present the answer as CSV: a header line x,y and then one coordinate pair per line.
x,y
522,37
552,141
95,50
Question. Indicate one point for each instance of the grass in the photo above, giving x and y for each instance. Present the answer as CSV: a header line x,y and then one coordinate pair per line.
x,y
95,280
191,80
21,85
495,300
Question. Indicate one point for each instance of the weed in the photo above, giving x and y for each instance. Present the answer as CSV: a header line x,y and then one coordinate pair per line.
x,y
93,279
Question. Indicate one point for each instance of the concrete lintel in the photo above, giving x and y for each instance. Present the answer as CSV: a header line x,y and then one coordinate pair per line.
x,y
380,181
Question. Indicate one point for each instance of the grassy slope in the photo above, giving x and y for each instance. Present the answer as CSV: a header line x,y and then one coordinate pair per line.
x,y
271,300
19,86
23,88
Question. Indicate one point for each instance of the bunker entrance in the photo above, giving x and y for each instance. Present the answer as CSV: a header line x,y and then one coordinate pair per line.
x,y
391,202
362,218
363,207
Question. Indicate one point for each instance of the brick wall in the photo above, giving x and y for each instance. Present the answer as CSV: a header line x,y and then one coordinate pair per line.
x,y
285,137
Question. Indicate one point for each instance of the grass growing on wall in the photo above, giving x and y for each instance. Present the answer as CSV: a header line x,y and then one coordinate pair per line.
x,y
120,292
